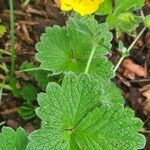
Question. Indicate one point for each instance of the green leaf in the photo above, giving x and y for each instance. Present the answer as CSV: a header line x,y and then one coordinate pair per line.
x,y
124,22
68,48
28,92
75,117
127,5
81,26
27,65
78,89
13,84
122,18
110,128
41,76
26,111
11,140
105,8
147,21
2,30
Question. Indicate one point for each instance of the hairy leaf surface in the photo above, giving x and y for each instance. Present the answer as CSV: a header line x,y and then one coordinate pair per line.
x,y
11,140
68,48
75,117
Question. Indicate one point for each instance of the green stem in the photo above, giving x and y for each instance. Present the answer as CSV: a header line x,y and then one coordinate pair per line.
x,y
119,62
1,91
136,39
12,37
90,58
30,69
128,50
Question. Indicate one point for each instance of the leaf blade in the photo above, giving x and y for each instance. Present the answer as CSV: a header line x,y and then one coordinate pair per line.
x,y
76,111
10,139
69,48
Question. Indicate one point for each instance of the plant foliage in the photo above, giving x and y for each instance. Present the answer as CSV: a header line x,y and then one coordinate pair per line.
x,y
86,111
11,140
74,117
68,48
2,30
122,16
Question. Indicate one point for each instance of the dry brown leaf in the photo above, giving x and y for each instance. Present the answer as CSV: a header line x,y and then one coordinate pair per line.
x,y
129,74
147,3
132,67
146,92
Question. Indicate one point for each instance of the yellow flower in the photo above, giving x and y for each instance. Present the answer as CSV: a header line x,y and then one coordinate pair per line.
x,y
66,5
83,7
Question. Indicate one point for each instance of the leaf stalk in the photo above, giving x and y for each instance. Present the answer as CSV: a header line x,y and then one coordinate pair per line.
x,y
12,37
91,57
129,48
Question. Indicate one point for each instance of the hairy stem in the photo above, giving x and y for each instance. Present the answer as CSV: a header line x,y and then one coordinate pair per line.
x,y
130,47
90,57
12,39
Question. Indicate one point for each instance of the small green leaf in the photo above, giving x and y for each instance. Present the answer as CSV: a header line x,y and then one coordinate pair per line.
x,y
13,84
41,76
26,111
2,30
122,18
27,65
127,5
124,22
123,50
75,117
147,21
11,140
28,92
121,45
105,8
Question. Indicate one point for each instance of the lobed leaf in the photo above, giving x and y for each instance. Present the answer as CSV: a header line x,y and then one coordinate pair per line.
x,y
68,48
110,128
75,117
11,140
77,92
